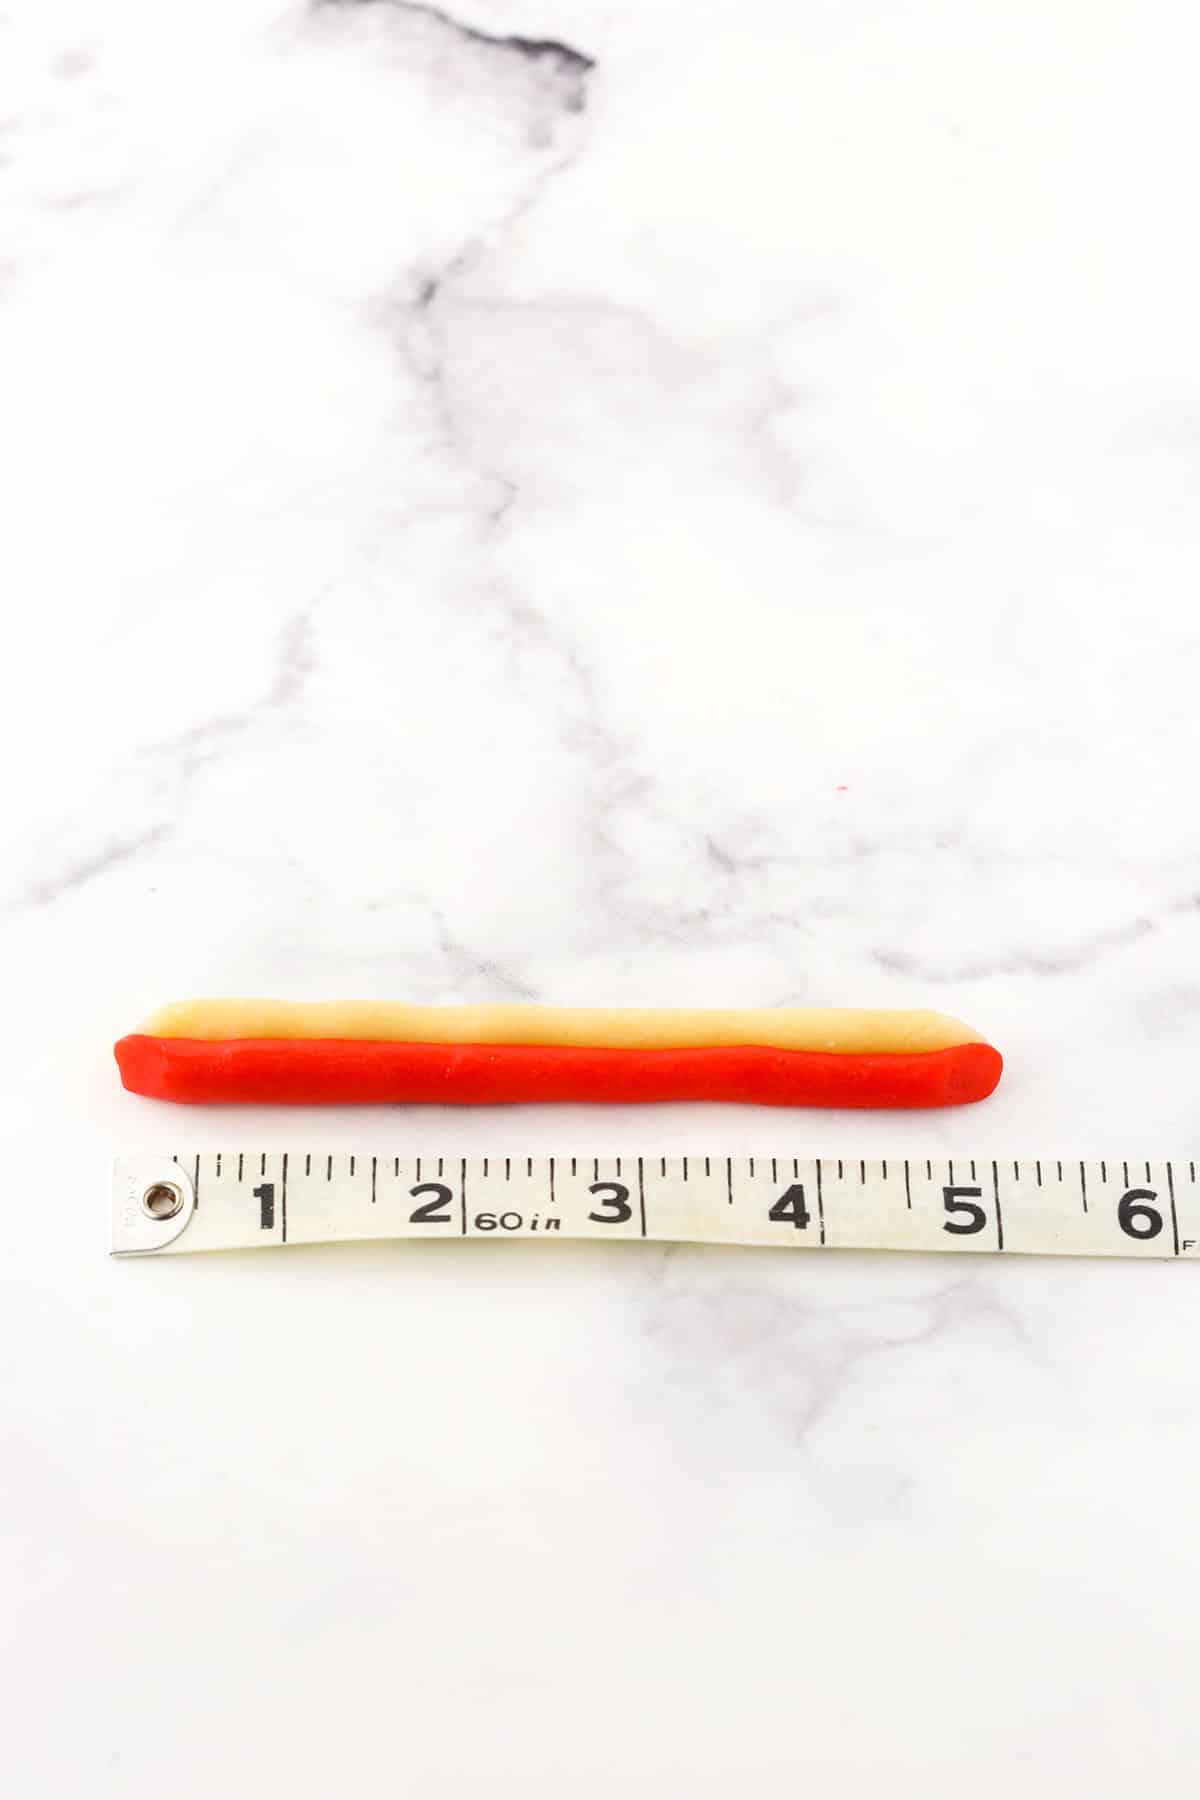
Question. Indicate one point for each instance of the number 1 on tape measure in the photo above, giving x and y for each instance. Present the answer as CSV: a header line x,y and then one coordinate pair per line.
x,y
241,1200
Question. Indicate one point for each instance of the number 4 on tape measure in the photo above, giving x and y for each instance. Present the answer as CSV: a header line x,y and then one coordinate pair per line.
x,y
240,1200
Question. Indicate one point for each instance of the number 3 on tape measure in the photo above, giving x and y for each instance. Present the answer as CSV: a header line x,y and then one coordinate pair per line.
x,y
613,1197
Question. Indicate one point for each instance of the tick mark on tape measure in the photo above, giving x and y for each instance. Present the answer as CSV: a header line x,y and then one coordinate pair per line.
x,y
1125,1174
974,1177
462,1197
1038,1167
241,1159
218,1165
552,1200
707,1166
352,1166
329,1169
862,1174
308,1164
641,1193
752,1168
907,1187
196,1194
999,1215
373,1160
820,1202
774,1170
1171,1196
283,1200
1104,1171
262,1167
1082,1183
883,1166
729,1178
929,1171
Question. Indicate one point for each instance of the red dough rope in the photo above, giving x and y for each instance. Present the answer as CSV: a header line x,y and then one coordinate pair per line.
x,y
328,1070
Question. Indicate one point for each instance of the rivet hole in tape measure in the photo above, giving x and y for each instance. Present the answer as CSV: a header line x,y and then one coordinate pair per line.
x,y
241,1200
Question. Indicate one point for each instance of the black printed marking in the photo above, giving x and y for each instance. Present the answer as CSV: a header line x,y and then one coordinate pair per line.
x,y
1171,1197
999,1214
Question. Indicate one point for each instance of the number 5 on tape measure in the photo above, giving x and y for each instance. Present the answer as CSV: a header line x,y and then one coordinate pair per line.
x,y
242,1200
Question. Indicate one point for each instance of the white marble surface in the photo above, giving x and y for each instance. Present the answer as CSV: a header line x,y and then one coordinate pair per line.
x,y
708,512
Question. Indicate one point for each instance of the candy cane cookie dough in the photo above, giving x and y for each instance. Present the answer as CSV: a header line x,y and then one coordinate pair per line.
x,y
345,1052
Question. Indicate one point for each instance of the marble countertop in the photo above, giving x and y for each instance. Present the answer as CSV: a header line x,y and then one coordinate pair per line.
x,y
570,501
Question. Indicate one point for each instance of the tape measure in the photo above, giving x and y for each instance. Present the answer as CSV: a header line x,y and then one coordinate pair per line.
x,y
244,1200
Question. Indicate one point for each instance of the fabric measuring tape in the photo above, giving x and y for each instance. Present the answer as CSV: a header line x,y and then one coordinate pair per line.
x,y
242,1200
